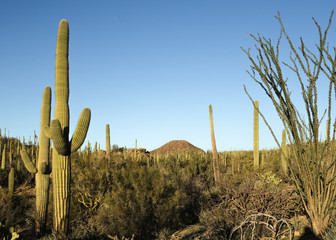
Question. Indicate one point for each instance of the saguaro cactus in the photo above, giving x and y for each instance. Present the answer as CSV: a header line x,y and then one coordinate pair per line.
x,y
108,145
11,182
59,133
256,135
284,165
3,159
214,149
42,167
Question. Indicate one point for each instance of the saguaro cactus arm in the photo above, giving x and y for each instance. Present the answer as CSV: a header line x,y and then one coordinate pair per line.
x,y
60,142
81,130
27,162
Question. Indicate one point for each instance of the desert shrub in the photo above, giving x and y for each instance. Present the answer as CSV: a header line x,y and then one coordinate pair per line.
x,y
14,211
214,221
249,197
3,178
134,197
330,233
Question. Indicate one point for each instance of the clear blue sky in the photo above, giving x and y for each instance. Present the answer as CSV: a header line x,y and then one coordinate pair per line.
x,y
148,68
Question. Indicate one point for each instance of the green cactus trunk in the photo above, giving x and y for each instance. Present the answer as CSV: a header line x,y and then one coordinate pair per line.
x,y
61,168
10,154
43,167
11,182
108,145
256,135
214,149
284,165
59,132
3,159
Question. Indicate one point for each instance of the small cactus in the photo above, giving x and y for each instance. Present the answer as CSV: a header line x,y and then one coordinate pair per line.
x,y
3,159
11,182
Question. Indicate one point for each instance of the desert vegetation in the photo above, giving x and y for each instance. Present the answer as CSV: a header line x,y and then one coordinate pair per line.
x,y
55,188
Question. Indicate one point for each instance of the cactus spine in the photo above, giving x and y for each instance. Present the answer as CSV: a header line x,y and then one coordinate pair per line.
x,y
42,167
256,135
214,149
284,165
59,133
108,145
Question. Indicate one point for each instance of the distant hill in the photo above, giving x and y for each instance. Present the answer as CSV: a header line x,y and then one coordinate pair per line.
x,y
177,146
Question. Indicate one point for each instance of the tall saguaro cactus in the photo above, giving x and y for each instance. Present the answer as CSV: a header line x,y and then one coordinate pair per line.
x,y
256,135
214,149
59,133
42,167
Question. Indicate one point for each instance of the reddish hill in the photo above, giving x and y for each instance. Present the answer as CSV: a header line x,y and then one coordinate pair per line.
x,y
177,146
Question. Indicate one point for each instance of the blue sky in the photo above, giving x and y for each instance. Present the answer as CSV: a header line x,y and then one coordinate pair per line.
x,y
150,69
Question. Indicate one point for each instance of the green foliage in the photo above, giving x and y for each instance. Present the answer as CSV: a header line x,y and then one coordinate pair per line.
x,y
134,197
156,197
269,180
8,233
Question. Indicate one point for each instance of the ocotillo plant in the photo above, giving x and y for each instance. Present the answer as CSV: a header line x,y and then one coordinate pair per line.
x,y
42,168
108,145
59,133
214,149
256,135
311,162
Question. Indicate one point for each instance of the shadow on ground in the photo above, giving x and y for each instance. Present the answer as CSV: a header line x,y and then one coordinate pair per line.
x,y
309,235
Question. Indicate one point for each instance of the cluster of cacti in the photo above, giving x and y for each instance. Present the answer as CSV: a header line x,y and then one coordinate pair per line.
x,y
59,133
58,130
256,135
